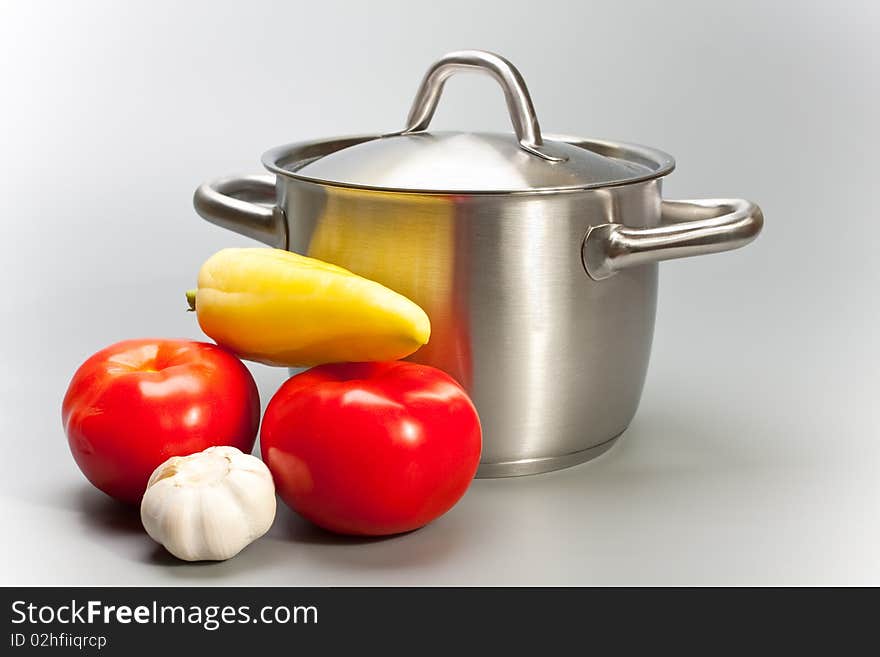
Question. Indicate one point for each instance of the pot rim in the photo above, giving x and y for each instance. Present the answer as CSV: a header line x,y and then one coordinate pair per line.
x,y
278,159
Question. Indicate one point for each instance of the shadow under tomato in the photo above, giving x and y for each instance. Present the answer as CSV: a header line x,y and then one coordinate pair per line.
x,y
104,514
117,526
435,543
296,528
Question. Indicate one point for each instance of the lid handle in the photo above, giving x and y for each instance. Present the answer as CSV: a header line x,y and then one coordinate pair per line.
x,y
519,103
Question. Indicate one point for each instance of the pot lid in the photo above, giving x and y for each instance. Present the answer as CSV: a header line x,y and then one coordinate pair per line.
x,y
466,161
415,160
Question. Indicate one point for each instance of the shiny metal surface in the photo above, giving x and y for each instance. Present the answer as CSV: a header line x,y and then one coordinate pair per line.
x,y
466,163
246,205
553,358
537,465
688,228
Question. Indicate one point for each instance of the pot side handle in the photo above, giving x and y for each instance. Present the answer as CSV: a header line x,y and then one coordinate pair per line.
x,y
687,228
245,205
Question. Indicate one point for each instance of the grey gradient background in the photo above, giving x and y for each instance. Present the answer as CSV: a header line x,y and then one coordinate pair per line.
x,y
754,456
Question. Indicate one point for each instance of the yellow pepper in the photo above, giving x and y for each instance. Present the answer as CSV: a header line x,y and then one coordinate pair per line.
x,y
281,308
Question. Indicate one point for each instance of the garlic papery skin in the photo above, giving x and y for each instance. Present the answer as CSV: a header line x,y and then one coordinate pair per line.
x,y
210,505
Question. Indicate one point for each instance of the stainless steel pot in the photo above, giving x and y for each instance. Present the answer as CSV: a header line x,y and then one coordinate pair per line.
x,y
535,257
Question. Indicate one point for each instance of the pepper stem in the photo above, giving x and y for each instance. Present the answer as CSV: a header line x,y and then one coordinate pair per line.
x,y
191,300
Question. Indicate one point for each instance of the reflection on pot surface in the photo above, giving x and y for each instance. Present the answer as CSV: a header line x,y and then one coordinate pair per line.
x,y
409,245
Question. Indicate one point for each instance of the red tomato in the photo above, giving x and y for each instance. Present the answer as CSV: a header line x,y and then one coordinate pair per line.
x,y
371,448
137,403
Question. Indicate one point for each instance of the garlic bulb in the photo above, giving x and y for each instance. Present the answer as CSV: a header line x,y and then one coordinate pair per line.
x,y
209,505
